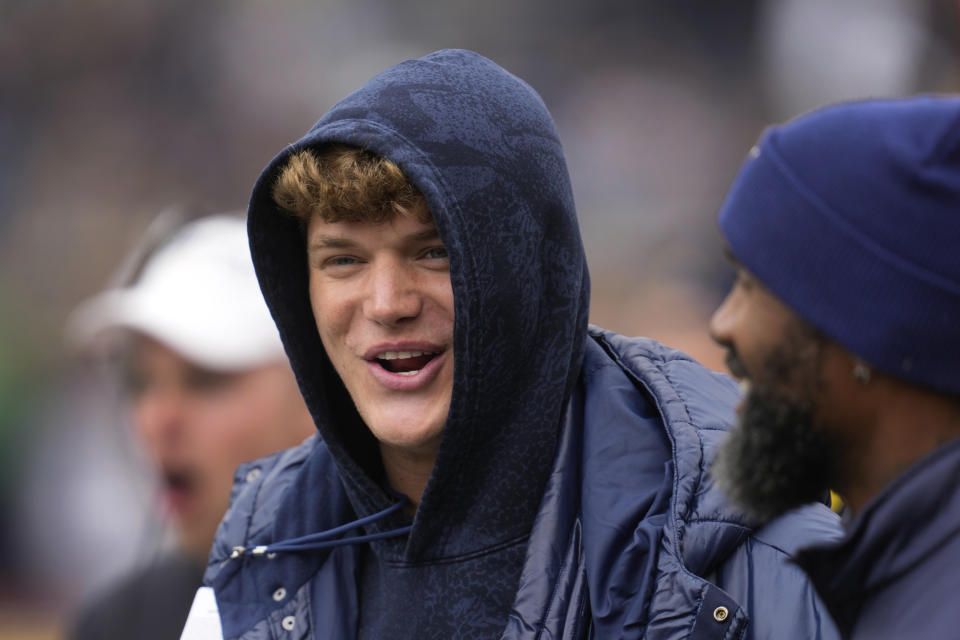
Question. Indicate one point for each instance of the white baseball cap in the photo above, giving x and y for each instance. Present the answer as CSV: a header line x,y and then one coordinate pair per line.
x,y
197,294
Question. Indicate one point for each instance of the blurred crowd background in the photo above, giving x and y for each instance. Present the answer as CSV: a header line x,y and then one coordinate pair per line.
x,y
112,112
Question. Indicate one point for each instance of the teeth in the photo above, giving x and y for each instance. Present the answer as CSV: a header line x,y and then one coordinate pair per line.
x,y
744,386
399,355
408,373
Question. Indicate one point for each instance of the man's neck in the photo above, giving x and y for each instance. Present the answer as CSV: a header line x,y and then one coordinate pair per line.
x,y
408,472
909,423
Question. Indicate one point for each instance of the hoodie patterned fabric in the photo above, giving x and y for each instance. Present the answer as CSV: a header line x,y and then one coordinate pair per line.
x,y
482,148
569,498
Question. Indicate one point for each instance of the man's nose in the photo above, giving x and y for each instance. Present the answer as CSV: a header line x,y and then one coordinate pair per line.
x,y
158,414
722,321
393,295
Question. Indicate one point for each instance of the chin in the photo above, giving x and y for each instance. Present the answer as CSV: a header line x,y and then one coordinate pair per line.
x,y
412,439
407,425
195,544
777,457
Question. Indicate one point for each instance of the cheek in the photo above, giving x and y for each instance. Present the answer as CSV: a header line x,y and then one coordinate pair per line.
x,y
141,421
443,294
319,303
271,421
228,426
438,310
158,425
331,316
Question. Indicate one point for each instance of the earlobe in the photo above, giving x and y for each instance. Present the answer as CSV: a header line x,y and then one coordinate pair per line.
x,y
861,372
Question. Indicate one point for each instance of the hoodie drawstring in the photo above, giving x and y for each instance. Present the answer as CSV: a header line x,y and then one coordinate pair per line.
x,y
322,539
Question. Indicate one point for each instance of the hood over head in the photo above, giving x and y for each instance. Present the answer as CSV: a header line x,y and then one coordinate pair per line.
x,y
481,147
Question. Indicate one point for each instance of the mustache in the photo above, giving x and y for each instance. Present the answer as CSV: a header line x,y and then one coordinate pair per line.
x,y
735,364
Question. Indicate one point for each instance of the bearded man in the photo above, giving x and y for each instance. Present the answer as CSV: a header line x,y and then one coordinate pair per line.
x,y
843,323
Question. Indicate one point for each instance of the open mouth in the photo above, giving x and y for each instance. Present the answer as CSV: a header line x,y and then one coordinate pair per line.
x,y
404,363
179,485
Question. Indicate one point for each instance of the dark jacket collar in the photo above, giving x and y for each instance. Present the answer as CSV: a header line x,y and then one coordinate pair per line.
x,y
909,520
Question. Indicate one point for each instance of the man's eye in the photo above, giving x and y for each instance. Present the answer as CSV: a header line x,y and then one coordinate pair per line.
x,y
436,253
340,261
135,382
207,381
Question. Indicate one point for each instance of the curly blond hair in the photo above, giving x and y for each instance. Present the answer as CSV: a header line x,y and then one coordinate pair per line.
x,y
342,183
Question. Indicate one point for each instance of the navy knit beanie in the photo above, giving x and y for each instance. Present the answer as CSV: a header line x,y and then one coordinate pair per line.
x,y
851,216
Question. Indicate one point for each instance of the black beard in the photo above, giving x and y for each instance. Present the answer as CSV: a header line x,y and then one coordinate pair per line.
x,y
776,458
779,456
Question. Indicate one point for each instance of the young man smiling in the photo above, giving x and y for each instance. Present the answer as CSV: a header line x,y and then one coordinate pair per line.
x,y
381,296
487,467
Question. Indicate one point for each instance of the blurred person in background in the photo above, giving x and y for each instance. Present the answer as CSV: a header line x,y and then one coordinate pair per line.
x,y
844,322
208,387
489,466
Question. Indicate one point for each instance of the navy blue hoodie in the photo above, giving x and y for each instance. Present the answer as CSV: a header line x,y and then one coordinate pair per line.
x,y
570,497
481,147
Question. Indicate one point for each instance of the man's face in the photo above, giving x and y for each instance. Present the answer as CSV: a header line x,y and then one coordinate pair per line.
x,y
197,425
779,454
383,304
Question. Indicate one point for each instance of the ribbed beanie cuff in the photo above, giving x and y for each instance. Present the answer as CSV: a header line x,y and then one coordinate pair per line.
x,y
851,216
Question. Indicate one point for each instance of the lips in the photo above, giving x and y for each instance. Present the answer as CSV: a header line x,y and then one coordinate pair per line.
x,y
406,367
179,487
406,363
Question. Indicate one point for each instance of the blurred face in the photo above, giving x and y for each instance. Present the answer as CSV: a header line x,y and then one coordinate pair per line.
x,y
197,425
780,454
383,303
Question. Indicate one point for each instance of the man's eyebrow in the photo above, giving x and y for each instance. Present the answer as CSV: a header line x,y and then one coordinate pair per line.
x,y
426,234
320,242
731,258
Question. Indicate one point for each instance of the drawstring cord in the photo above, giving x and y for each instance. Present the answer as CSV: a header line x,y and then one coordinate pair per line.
x,y
322,539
